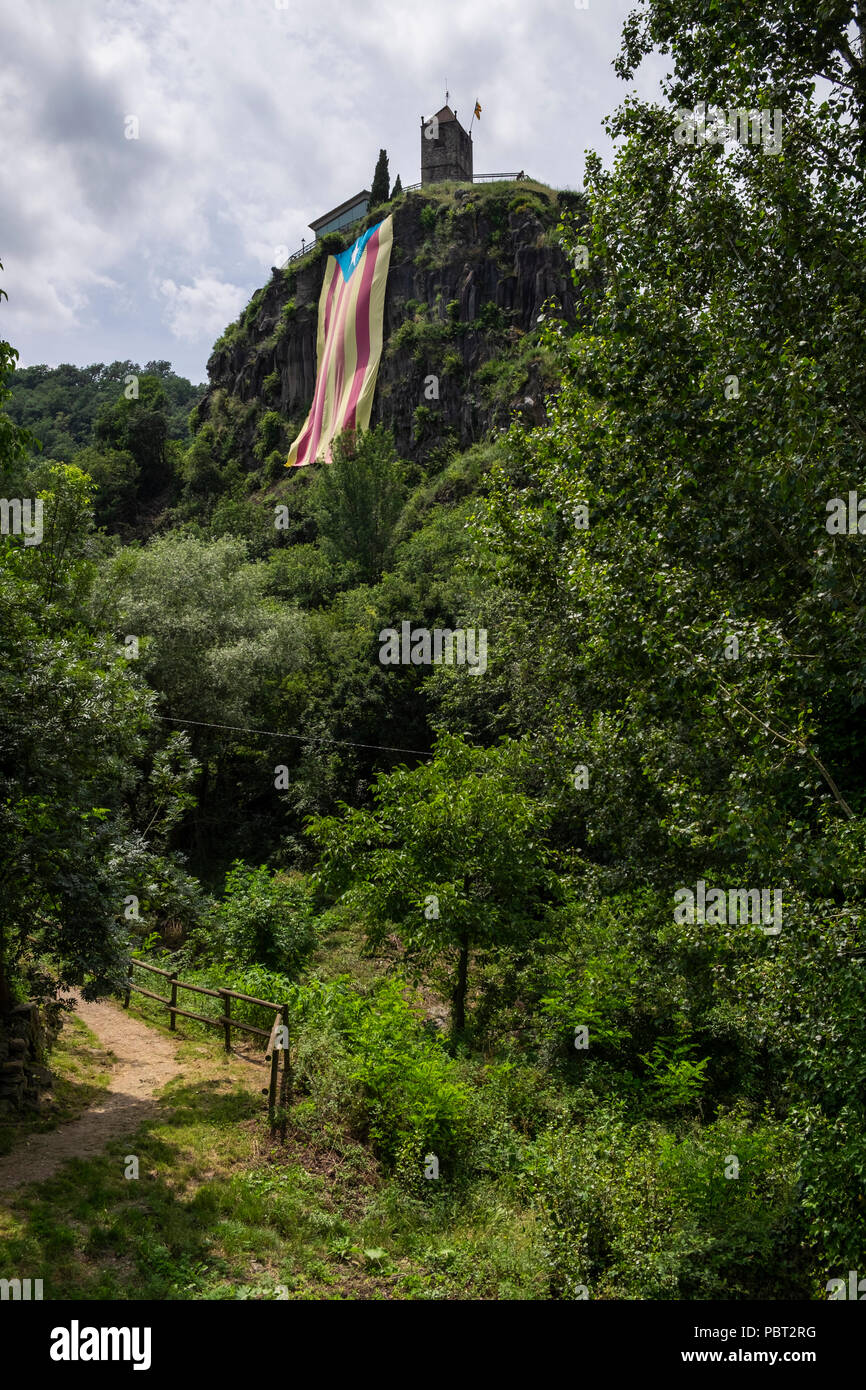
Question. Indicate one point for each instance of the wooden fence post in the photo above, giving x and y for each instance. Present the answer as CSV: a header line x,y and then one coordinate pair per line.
x,y
275,1062
287,1080
227,1018
173,1005
128,990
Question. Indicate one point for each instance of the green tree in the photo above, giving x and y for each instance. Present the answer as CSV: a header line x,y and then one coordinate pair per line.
x,y
263,919
72,719
117,476
138,426
214,647
398,187
380,185
453,856
673,578
356,500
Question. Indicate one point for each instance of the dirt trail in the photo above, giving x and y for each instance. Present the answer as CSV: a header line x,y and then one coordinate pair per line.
x,y
146,1061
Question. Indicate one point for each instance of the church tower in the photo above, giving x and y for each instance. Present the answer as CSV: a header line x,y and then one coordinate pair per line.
x,y
446,148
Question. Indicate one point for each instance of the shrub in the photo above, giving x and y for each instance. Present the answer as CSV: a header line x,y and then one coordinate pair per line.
x,y
640,1212
263,919
270,432
395,1079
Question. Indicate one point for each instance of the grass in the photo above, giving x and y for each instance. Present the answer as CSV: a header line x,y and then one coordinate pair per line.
x,y
341,951
220,1210
81,1068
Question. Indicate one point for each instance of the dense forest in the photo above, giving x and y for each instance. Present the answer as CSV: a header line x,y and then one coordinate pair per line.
x,y
539,1019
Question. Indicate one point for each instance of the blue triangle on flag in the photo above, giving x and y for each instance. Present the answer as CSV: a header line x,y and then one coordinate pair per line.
x,y
350,259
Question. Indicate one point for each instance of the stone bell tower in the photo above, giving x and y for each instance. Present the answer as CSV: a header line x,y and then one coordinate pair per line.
x,y
446,148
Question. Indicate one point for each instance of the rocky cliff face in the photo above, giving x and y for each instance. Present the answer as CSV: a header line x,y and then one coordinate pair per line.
x,y
470,270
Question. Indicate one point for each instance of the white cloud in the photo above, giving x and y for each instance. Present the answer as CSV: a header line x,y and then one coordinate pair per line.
x,y
253,120
202,309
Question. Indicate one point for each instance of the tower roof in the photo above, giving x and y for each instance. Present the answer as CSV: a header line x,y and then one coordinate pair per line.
x,y
446,114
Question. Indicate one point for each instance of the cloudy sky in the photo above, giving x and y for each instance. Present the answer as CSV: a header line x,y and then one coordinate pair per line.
x,y
252,117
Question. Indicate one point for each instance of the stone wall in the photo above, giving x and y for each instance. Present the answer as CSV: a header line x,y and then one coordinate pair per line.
x,y
23,1073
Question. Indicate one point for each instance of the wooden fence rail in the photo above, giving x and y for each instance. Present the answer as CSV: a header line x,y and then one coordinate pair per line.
x,y
227,1023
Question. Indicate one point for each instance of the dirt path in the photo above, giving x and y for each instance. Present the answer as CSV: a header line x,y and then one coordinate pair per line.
x,y
146,1061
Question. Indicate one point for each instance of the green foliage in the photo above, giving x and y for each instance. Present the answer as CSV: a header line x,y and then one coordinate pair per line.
x,y
245,519
117,477
372,1056
269,433
138,426
380,185
60,405
356,500
71,723
263,918
706,455
211,642
331,244
631,1211
301,574
453,857
675,1075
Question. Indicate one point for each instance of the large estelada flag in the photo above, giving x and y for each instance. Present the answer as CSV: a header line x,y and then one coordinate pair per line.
x,y
351,311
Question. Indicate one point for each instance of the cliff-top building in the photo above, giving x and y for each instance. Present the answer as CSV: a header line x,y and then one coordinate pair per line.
x,y
446,148
446,153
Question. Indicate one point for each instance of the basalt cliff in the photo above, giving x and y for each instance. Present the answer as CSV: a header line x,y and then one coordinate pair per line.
x,y
470,272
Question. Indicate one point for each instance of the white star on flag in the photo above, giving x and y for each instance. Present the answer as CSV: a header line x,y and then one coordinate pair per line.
x,y
356,253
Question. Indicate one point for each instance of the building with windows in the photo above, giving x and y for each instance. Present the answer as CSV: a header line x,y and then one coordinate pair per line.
x,y
343,216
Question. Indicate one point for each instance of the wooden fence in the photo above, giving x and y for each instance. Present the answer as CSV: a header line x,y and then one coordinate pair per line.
x,y
227,1023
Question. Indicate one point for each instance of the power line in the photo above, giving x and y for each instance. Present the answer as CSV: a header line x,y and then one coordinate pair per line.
x,y
299,738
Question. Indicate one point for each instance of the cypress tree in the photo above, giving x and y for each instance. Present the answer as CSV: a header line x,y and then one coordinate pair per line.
x,y
379,186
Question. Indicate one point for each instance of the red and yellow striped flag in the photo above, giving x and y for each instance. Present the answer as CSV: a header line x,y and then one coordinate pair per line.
x,y
351,311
